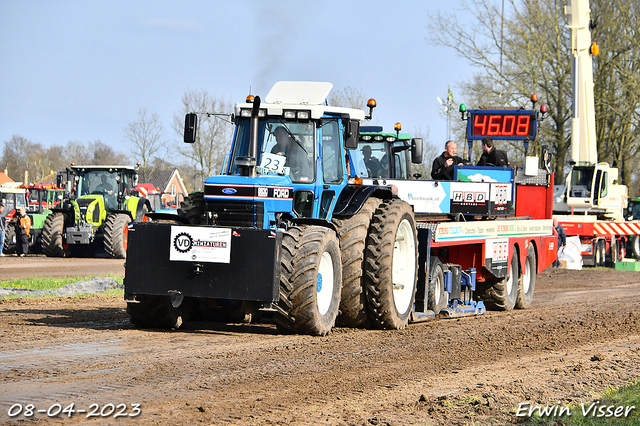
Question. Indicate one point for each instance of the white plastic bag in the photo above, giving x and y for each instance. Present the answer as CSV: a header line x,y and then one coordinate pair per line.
x,y
571,253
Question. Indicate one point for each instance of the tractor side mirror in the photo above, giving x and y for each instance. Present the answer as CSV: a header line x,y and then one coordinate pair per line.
x,y
351,133
190,127
416,150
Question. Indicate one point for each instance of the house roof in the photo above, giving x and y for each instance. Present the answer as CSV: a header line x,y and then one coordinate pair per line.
x,y
4,178
159,178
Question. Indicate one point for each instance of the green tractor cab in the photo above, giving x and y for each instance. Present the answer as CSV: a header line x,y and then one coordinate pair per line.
x,y
94,216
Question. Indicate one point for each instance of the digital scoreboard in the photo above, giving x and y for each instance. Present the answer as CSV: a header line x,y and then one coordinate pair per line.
x,y
502,124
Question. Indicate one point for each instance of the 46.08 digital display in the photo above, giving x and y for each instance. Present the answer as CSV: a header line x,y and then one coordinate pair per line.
x,y
502,124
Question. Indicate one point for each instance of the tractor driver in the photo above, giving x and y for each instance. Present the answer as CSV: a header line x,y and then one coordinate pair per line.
x,y
373,164
104,186
287,147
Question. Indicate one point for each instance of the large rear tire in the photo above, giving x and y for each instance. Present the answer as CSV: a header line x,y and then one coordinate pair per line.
x,y
527,282
391,265
116,235
501,295
157,312
53,236
310,280
352,233
193,208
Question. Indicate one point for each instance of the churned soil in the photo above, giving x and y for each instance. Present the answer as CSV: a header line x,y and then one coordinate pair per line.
x,y
581,335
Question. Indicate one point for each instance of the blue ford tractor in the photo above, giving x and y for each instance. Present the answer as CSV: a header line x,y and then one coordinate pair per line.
x,y
287,233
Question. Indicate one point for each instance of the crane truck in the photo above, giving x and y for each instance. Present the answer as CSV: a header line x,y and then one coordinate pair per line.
x,y
593,204
290,233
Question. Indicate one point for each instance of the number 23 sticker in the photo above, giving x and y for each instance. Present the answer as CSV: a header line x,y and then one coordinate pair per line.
x,y
272,163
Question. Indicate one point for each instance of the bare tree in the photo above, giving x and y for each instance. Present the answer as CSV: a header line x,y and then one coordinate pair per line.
x,y
103,154
146,136
213,139
533,55
348,97
76,152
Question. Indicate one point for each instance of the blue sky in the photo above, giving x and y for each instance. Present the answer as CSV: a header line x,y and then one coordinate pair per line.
x,y
80,70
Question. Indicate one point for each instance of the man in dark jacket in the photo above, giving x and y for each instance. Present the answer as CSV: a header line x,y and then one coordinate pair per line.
x,y
492,156
562,239
442,168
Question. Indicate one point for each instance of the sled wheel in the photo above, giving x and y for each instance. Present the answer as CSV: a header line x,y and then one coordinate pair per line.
x,y
501,295
437,297
527,282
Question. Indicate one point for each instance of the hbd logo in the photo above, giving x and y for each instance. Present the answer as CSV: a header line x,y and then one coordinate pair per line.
x,y
469,197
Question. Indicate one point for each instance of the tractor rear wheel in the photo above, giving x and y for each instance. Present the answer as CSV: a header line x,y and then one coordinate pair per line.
x,y
352,233
501,295
310,280
193,208
116,235
527,282
391,265
156,312
53,236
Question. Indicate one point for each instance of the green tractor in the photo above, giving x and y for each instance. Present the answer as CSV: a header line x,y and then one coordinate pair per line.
x,y
95,214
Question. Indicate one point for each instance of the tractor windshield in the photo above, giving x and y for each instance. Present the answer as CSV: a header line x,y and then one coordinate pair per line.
x,y
376,158
284,147
97,182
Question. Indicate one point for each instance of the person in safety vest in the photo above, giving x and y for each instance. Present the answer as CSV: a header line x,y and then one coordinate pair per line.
x,y
23,231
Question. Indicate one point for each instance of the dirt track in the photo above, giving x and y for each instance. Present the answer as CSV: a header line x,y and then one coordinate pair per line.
x,y
580,336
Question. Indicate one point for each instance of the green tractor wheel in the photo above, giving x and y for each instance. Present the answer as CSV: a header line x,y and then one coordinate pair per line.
x,y
116,235
53,236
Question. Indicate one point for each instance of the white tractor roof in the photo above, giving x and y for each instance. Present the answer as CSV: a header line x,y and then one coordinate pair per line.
x,y
298,92
301,95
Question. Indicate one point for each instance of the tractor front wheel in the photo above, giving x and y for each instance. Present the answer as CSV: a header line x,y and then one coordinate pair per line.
x,y
116,235
310,280
53,236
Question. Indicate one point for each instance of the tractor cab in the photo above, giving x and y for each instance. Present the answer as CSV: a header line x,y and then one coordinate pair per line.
x,y
288,158
386,155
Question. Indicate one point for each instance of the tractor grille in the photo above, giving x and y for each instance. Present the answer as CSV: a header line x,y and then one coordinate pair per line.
x,y
83,204
237,213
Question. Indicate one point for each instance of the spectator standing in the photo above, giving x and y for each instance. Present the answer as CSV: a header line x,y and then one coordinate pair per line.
x,y
3,228
22,226
562,239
